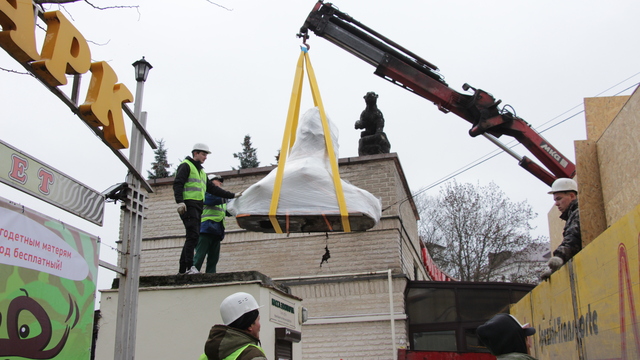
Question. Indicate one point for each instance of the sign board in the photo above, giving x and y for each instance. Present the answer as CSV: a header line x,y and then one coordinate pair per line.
x,y
282,311
589,307
48,273
64,52
33,177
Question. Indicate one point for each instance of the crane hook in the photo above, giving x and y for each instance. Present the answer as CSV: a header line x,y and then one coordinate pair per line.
x,y
304,34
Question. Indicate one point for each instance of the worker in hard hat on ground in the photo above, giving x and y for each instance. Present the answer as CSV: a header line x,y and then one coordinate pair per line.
x,y
506,338
565,195
239,337
189,187
211,229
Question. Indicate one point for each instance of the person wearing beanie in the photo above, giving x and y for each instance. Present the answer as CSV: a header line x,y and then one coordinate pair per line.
x,y
239,337
505,337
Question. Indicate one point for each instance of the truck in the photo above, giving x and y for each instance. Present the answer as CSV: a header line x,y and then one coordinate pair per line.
x,y
586,309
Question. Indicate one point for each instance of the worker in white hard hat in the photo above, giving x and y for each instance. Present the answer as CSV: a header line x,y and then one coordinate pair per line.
x,y
189,187
565,195
239,337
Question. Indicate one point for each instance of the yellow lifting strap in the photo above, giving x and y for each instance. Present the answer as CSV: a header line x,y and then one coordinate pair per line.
x,y
290,136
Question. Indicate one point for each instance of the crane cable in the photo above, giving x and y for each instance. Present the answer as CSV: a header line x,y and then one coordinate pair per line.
x,y
289,138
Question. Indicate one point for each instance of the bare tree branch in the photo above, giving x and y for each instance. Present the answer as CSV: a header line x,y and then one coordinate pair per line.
x,y
40,2
113,7
475,233
218,5
16,72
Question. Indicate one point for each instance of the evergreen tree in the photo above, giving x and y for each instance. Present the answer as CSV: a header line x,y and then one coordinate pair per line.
x,y
277,156
248,157
160,166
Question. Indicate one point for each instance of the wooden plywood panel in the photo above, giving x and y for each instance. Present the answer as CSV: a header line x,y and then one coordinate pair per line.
x,y
618,153
592,217
599,112
586,305
556,225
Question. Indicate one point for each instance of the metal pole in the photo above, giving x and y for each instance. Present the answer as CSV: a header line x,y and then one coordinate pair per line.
x,y
502,146
392,317
129,260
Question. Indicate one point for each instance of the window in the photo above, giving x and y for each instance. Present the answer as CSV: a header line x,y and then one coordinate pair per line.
x,y
482,304
431,306
473,344
443,316
435,340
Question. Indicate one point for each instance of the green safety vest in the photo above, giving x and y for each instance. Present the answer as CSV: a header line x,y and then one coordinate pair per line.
x,y
196,184
234,355
216,213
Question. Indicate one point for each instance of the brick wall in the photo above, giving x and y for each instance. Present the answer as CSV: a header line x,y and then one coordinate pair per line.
x,y
353,306
351,341
352,316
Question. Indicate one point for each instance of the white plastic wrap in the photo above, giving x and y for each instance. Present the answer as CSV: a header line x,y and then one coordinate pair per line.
x,y
307,187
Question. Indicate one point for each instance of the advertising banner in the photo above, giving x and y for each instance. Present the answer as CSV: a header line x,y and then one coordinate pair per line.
x,y
48,273
35,178
589,307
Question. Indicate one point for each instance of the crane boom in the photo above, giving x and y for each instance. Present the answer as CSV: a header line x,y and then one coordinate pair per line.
x,y
409,71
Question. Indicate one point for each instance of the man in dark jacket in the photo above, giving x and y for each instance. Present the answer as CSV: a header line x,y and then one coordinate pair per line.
x,y
505,337
189,187
565,195
239,337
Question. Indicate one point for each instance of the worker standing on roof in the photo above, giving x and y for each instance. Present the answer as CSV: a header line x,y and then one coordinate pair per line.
x,y
211,229
189,187
565,195
239,337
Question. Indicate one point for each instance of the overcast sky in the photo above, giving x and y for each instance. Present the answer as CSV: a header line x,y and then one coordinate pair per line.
x,y
220,74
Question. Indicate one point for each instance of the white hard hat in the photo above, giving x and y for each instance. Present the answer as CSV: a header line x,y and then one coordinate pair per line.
x,y
236,305
563,184
201,147
215,177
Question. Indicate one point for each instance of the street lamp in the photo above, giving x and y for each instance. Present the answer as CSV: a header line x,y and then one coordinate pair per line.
x,y
142,68
133,216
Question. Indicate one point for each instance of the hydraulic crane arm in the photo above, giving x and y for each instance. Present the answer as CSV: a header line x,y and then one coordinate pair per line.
x,y
409,71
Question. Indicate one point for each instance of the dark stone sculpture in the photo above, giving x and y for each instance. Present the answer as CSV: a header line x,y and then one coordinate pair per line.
x,y
372,139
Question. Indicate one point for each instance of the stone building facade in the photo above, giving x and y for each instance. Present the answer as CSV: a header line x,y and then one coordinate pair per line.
x,y
350,297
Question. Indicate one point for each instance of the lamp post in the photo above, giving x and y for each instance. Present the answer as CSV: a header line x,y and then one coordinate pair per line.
x,y
142,68
133,215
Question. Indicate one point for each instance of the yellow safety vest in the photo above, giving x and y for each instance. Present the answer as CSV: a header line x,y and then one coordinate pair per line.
x,y
196,184
216,213
234,355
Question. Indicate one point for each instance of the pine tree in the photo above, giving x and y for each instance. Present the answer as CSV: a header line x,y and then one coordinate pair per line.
x,y
248,157
277,156
160,166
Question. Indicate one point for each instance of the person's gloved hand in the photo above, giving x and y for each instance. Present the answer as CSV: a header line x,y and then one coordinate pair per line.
x,y
555,263
182,208
545,274
237,195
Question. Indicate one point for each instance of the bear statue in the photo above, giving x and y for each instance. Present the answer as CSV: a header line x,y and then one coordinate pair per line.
x,y
373,140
